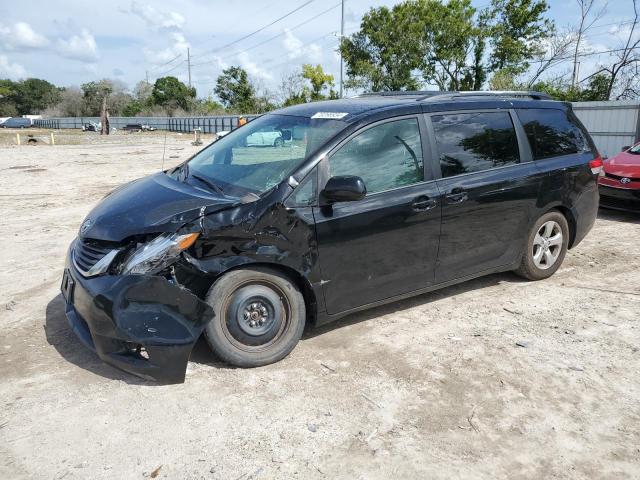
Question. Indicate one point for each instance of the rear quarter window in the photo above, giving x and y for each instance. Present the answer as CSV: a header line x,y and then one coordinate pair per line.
x,y
551,133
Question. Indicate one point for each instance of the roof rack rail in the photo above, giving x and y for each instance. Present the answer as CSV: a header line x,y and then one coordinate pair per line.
x,y
493,93
404,93
427,94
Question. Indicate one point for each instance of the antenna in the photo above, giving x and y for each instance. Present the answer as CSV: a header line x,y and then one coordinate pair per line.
x,y
164,149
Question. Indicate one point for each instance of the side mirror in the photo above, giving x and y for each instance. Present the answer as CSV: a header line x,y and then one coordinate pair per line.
x,y
286,135
345,188
624,149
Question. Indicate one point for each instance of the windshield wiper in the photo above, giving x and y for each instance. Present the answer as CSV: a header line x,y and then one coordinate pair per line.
x,y
208,183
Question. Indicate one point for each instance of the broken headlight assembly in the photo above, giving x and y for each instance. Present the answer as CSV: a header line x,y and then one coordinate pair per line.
x,y
156,255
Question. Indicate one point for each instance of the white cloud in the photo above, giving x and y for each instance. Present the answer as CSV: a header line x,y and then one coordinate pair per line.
x,y
252,68
11,70
156,18
20,36
81,47
178,46
296,48
162,22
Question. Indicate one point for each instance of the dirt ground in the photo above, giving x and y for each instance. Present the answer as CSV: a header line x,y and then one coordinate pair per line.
x,y
495,378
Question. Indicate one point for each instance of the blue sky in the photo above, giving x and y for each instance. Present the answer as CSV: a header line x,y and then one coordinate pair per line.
x,y
72,42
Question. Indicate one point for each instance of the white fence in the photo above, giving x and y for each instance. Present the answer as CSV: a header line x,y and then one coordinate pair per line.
x,y
612,125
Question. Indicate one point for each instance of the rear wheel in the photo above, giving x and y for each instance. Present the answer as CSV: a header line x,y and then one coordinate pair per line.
x,y
259,317
546,247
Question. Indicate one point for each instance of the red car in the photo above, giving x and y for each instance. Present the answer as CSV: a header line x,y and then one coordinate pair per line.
x,y
620,185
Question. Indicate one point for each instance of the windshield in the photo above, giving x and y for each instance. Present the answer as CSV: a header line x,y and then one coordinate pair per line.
x,y
259,155
635,149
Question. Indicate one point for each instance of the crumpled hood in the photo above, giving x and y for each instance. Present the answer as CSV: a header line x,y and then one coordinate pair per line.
x,y
623,165
152,204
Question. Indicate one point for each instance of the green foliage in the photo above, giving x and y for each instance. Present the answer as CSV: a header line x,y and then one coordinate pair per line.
x,y
387,49
450,32
597,90
7,103
319,82
235,90
446,41
516,29
171,93
309,85
30,96
133,108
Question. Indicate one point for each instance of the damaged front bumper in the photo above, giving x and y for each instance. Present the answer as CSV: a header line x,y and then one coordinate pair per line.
x,y
142,324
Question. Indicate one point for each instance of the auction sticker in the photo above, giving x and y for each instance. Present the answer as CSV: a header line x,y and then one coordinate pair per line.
x,y
330,115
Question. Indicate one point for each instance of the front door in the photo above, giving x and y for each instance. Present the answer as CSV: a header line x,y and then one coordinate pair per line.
x,y
386,244
489,190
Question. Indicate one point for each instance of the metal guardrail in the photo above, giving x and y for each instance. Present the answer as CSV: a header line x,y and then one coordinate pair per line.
x,y
210,124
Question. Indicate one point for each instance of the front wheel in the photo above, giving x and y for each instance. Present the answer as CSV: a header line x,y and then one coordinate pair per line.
x,y
546,247
259,317
278,142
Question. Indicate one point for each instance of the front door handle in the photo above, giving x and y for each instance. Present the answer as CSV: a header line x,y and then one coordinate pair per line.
x,y
422,204
457,195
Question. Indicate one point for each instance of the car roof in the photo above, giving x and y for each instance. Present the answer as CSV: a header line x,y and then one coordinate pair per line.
x,y
353,109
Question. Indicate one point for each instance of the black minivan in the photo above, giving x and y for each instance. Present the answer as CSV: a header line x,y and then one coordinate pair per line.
x,y
365,201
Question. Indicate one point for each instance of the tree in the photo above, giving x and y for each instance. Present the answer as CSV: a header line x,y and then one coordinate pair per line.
x,y
95,92
558,46
7,104
71,104
235,91
626,61
586,8
319,82
517,29
142,92
34,95
562,90
291,90
171,93
450,30
386,50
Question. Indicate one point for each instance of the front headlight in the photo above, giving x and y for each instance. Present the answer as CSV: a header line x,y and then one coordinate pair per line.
x,y
158,254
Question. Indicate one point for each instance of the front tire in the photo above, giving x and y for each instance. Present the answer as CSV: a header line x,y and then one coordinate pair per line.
x,y
259,317
546,247
278,142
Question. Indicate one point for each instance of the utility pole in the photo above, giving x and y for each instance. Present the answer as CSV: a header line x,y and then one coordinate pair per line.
x,y
341,37
189,65
146,73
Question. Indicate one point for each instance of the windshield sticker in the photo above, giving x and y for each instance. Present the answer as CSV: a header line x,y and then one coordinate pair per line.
x,y
330,115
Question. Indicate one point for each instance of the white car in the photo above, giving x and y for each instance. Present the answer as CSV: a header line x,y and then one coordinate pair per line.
x,y
272,138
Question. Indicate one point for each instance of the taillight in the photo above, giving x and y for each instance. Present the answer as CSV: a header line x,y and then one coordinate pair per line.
x,y
596,165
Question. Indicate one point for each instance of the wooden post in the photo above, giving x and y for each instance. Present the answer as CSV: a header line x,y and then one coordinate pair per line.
x,y
53,140
18,138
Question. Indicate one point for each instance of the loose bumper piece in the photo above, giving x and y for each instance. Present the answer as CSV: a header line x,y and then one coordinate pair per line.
x,y
141,324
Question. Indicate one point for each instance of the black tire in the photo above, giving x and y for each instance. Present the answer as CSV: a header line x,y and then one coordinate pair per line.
x,y
536,261
278,142
273,303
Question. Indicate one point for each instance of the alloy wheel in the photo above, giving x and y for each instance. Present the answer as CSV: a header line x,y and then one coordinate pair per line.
x,y
547,245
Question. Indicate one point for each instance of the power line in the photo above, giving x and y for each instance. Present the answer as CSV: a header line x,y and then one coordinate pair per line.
x,y
253,47
171,69
156,67
586,54
259,30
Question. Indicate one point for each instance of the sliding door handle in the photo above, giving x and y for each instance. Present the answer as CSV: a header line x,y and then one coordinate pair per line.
x,y
422,204
457,195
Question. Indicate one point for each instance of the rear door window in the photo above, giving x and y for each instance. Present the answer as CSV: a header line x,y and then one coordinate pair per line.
x,y
551,133
476,141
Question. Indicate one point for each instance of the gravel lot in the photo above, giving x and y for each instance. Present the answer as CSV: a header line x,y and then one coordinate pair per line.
x,y
495,378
